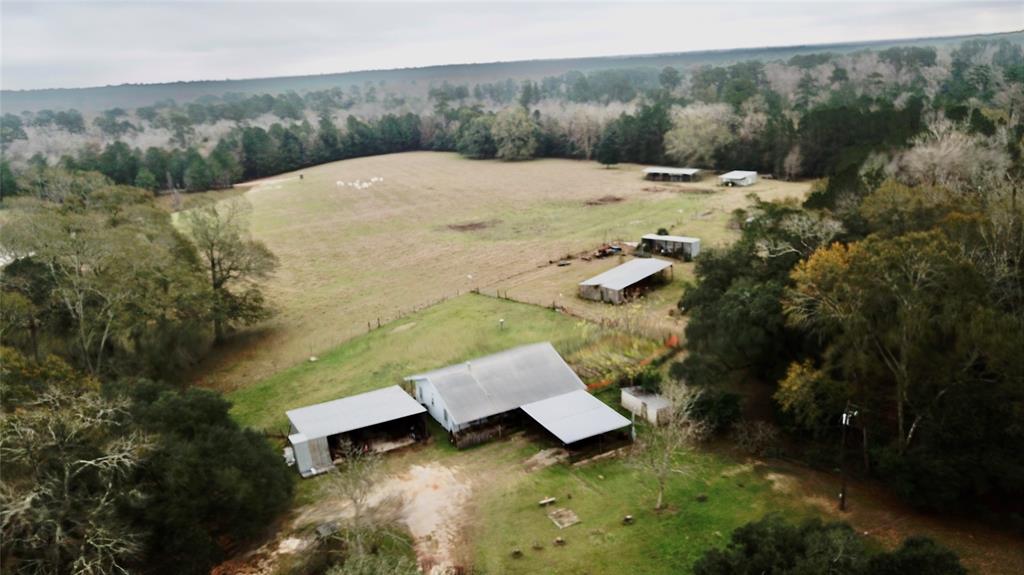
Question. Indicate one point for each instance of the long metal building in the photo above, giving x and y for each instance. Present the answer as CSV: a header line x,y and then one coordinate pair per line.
x,y
665,174
683,247
623,282
471,399
374,419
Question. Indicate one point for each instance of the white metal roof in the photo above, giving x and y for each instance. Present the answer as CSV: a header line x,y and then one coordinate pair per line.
x,y
502,382
353,412
627,274
678,239
575,415
737,175
671,171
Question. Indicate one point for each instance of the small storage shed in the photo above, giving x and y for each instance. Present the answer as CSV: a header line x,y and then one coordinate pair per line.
x,y
664,174
649,406
738,178
470,395
367,418
683,247
623,282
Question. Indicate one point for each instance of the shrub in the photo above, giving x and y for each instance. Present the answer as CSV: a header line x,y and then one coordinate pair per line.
x,y
648,379
719,409
773,546
756,437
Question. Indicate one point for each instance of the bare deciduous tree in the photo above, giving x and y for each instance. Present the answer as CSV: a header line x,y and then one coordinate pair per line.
x,y
661,450
584,132
949,157
354,482
698,131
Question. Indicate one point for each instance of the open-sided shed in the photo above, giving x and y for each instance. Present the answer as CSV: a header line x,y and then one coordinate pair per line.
x,y
575,416
624,281
381,414
666,174
683,247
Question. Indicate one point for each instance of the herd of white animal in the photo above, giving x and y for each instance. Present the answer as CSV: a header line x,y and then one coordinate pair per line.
x,y
359,184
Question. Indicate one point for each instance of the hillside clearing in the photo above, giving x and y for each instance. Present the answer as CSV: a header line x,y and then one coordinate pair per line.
x,y
350,257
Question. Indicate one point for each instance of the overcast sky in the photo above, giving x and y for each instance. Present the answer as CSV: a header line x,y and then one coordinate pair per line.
x,y
50,44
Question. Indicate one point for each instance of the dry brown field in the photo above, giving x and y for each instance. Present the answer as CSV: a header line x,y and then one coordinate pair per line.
x,y
435,225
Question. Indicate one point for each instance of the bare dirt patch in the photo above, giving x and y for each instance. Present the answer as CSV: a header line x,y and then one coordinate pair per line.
x,y
782,483
877,513
430,500
604,200
473,226
403,327
545,459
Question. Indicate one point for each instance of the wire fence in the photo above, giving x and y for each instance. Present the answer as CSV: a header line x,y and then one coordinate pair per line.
x,y
633,322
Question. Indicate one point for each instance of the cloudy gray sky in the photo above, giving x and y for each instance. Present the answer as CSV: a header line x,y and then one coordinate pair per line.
x,y
88,43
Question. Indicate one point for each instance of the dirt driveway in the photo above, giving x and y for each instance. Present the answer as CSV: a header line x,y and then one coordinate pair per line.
x,y
431,498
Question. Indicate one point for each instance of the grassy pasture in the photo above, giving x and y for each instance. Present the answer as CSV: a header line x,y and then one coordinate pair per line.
x,y
439,225
454,331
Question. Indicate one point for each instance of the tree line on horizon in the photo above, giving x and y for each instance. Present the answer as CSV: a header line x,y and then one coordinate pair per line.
x,y
808,117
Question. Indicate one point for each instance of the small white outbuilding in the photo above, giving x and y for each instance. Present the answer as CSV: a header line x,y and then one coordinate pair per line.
x,y
649,406
738,178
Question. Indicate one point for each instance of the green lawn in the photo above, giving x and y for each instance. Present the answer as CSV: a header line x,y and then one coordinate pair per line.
x,y
453,331
602,494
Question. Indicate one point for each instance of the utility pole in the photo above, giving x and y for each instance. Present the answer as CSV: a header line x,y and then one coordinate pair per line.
x,y
849,412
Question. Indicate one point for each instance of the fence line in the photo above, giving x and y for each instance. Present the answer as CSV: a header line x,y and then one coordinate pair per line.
x,y
643,329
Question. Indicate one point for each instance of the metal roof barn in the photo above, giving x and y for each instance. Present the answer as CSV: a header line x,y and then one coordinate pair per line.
x,y
353,412
664,174
673,246
496,383
677,239
628,273
671,171
575,416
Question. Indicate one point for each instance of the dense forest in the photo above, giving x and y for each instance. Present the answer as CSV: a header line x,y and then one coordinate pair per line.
x,y
896,290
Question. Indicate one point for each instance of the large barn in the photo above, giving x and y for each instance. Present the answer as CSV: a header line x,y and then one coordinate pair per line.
x,y
664,174
683,247
738,178
473,400
625,281
377,420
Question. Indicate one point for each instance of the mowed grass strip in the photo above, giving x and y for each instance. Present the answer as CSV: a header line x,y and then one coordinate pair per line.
x,y
450,332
